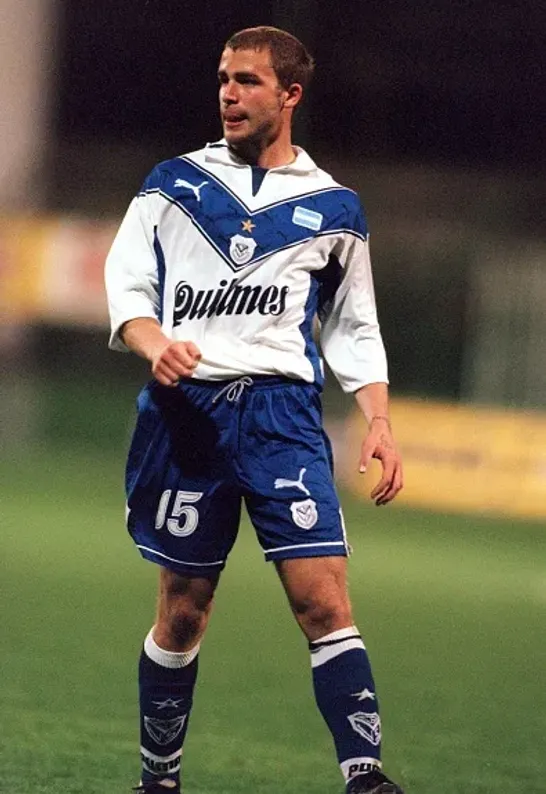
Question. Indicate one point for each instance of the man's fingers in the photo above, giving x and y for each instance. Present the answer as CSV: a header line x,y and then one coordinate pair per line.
x,y
177,360
365,456
194,351
384,483
391,480
387,489
166,375
180,356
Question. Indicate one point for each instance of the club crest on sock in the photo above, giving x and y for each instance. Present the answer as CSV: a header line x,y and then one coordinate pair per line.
x,y
368,725
163,732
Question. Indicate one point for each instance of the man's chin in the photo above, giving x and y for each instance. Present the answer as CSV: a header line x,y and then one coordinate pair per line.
x,y
245,145
235,136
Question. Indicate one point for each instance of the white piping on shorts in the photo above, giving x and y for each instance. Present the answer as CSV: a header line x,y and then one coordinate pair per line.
x,y
181,562
344,530
305,546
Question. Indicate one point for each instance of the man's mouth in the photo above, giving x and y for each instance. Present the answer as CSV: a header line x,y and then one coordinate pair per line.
x,y
233,120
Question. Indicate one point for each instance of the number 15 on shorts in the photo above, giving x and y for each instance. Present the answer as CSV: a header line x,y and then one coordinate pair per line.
x,y
182,518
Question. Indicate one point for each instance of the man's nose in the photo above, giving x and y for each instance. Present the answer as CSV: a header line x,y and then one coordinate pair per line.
x,y
230,94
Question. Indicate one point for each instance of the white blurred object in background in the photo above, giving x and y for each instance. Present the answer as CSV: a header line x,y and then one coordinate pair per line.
x,y
27,41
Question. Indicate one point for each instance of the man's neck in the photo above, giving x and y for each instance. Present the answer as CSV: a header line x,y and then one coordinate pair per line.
x,y
275,155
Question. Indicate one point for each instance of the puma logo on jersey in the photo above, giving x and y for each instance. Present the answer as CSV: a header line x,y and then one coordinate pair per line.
x,y
195,189
282,483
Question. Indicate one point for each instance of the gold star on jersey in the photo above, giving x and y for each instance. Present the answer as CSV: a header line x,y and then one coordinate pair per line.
x,y
248,226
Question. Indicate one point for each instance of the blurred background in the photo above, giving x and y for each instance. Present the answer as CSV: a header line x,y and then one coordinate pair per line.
x,y
435,112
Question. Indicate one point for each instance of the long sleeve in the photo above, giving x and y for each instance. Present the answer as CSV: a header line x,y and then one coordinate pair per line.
x,y
131,272
350,337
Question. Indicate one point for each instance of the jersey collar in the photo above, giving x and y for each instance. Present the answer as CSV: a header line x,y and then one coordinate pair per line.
x,y
219,152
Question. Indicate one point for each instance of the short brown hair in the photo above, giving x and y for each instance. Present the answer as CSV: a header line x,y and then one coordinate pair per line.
x,y
289,58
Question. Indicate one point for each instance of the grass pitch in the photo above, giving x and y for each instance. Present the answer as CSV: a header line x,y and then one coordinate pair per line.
x,y
452,609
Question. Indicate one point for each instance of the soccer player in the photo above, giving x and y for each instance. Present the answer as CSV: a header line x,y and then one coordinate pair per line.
x,y
216,276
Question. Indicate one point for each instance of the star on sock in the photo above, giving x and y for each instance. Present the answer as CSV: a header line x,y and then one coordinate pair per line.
x,y
364,695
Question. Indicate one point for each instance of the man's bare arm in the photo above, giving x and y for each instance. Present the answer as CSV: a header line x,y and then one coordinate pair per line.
x,y
169,360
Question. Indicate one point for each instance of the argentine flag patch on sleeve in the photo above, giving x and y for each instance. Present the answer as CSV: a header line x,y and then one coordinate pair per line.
x,y
307,218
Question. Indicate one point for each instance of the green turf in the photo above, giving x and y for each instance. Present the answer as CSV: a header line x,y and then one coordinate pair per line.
x,y
452,609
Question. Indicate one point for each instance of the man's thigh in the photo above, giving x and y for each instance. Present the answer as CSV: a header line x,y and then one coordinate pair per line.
x,y
287,475
183,508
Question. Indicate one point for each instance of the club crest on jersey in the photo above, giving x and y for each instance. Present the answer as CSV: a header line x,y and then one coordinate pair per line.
x,y
367,725
164,731
304,514
241,249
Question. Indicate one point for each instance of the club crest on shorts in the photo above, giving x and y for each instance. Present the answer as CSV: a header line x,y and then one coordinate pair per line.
x,y
304,514
241,249
164,731
367,725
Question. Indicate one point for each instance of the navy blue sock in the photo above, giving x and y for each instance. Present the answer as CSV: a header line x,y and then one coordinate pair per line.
x,y
345,694
166,683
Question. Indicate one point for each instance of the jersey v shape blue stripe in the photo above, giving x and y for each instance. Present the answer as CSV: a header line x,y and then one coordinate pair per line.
x,y
220,215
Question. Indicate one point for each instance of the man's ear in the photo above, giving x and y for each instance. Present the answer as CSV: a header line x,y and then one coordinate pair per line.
x,y
294,94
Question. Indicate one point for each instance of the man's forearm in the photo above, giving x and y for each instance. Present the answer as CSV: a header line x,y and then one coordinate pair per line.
x,y
144,336
373,401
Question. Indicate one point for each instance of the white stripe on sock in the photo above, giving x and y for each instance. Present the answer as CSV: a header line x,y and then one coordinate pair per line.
x,y
160,764
161,758
331,651
340,634
343,640
170,659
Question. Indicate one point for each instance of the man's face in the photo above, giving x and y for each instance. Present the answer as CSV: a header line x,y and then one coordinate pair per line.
x,y
251,98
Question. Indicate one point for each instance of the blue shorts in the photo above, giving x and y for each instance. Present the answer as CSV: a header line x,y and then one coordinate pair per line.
x,y
200,448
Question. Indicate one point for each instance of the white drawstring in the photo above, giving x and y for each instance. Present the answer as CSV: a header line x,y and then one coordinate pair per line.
x,y
234,390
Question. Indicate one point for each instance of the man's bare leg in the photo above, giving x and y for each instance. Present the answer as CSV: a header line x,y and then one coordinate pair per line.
x,y
167,674
344,687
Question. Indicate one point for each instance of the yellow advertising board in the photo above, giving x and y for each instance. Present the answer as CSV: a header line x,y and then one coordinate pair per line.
x,y
51,268
22,243
460,457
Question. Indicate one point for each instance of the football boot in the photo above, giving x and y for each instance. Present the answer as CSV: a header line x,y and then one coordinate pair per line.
x,y
156,787
374,782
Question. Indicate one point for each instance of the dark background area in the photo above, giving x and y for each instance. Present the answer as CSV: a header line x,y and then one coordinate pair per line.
x,y
456,83
433,111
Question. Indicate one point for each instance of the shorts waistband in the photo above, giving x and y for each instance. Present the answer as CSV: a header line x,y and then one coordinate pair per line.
x,y
258,382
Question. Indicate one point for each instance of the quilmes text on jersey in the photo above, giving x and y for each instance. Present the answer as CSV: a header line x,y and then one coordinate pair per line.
x,y
228,298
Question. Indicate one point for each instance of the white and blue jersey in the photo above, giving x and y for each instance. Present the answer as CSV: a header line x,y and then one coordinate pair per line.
x,y
240,261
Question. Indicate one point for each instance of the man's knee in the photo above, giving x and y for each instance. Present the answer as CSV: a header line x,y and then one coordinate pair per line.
x,y
184,606
320,617
317,591
184,626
